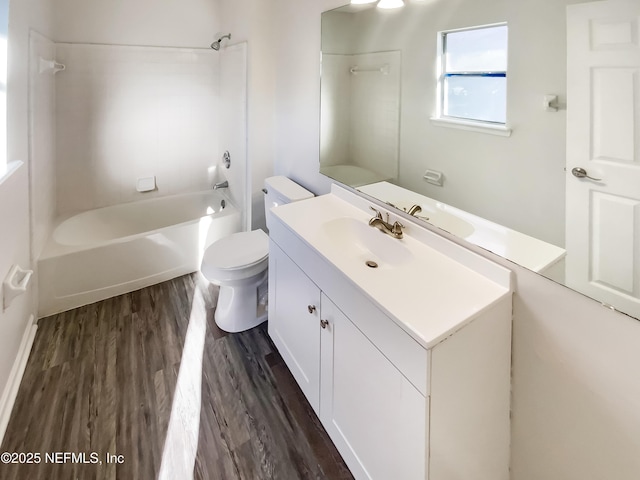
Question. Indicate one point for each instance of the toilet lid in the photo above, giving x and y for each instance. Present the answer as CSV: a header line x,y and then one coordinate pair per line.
x,y
237,250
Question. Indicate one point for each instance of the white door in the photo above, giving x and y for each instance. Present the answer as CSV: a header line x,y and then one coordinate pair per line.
x,y
603,139
294,322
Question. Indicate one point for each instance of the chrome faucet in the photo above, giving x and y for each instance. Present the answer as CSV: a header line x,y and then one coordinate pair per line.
x,y
414,209
394,230
224,184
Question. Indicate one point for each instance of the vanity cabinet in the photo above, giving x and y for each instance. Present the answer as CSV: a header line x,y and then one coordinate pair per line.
x,y
294,326
371,411
408,366
373,414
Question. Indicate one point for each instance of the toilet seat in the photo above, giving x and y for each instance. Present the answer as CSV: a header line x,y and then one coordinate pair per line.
x,y
236,257
239,264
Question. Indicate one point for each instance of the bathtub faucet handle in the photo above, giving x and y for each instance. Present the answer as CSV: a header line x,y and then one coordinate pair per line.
x,y
224,184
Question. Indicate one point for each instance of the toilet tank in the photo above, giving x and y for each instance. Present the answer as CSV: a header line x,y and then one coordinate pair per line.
x,y
280,190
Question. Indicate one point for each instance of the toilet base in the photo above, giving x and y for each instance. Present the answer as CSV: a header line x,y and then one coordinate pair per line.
x,y
238,309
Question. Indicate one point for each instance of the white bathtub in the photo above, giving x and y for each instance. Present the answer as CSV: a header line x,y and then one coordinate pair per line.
x,y
114,250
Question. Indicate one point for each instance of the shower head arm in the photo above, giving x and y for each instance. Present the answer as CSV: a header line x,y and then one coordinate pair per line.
x,y
216,45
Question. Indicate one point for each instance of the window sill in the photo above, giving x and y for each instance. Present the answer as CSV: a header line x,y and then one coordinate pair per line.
x,y
9,169
472,126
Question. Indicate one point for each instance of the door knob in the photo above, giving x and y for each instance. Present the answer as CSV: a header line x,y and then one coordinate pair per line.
x,y
324,323
582,173
311,308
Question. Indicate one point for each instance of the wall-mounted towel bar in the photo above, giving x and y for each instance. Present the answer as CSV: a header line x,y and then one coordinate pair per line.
x,y
50,65
15,283
384,69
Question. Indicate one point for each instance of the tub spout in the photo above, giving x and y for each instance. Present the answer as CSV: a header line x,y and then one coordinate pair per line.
x,y
224,184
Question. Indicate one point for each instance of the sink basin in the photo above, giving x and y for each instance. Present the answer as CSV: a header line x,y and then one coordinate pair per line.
x,y
358,240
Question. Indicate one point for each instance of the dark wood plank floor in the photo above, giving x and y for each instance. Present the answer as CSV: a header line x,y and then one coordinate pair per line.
x,y
103,378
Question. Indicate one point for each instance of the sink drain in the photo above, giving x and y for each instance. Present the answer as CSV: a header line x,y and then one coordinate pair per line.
x,y
371,264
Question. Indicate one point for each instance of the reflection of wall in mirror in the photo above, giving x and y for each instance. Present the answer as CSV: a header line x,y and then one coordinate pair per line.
x,y
516,181
375,107
360,114
334,117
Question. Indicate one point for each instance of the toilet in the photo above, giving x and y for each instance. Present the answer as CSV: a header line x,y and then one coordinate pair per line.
x,y
238,264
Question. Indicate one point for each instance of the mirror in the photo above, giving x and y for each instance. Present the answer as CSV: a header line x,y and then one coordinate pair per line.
x,y
511,190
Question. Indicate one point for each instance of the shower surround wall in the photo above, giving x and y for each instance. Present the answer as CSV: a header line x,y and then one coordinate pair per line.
x,y
371,84
127,112
232,129
41,141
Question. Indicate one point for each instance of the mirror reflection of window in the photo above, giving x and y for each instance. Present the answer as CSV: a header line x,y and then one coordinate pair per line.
x,y
473,83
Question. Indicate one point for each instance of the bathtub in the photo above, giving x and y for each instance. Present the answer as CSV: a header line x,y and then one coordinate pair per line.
x,y
109,251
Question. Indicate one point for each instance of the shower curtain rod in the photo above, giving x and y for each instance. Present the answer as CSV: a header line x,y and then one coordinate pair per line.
x,y
384,69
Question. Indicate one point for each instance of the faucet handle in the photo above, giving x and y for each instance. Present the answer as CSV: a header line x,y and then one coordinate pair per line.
x,y
396,230
378,214
415,209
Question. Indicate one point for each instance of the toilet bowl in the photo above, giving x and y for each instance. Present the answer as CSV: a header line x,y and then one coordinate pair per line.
x,y
238,264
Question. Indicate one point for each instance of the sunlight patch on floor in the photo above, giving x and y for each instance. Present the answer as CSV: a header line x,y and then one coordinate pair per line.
x,y
181,442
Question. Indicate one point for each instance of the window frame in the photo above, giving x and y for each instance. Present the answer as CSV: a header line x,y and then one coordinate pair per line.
x,y
440,119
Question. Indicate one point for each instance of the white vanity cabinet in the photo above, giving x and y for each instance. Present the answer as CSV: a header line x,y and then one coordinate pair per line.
x,y
408,365
294,326
374,415
372,412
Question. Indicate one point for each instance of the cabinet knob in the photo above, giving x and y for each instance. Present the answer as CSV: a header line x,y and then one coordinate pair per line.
x,y
324,323
311,308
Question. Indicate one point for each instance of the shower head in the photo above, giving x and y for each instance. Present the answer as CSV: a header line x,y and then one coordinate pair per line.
x,y
216,45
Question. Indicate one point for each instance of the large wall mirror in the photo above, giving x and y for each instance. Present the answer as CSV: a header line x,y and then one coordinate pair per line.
x,y
556,188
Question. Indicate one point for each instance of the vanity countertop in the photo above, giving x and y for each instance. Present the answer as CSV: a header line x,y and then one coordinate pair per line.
x,y
425,290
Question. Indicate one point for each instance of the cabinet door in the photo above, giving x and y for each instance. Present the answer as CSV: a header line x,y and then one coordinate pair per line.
x,y
375,417
294,321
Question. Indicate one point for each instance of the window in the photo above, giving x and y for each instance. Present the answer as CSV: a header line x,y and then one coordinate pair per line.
x,y
473,78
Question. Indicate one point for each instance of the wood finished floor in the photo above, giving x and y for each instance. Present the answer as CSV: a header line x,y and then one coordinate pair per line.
x,y
102,378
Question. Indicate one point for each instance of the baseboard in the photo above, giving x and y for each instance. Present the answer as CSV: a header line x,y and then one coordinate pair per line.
x,y
15,377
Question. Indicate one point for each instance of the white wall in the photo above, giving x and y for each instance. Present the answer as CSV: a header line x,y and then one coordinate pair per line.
x,y
251,21
575,364
297,93
14,191
187,23
576,386
14,249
